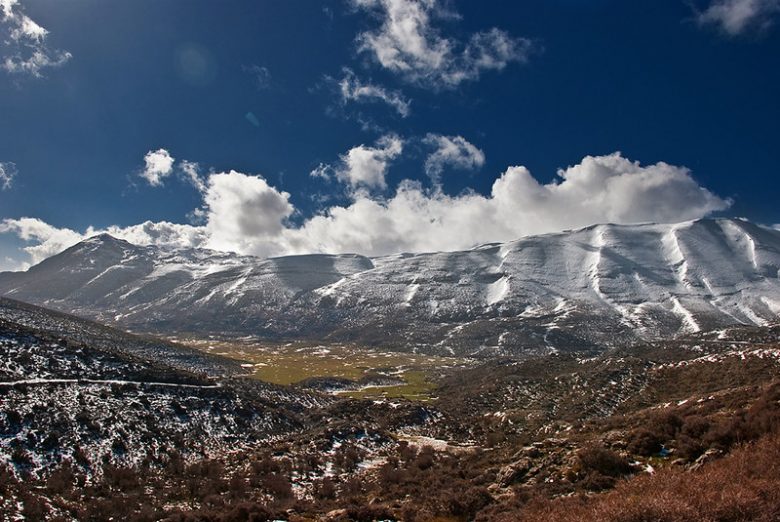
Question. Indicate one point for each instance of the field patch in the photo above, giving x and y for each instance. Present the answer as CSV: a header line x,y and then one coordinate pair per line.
x,y
370,373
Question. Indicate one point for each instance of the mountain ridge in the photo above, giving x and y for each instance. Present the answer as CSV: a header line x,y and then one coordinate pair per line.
x,y
571,290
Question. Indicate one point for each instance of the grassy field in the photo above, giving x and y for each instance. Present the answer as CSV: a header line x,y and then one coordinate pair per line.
x,y
292,363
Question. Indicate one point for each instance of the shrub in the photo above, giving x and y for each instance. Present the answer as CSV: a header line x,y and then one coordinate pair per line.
x,y
13,417
666,424
51,442
61,480
425,457
644,442
599,467
80,456
467,504
6,479
369,513
121,478
247,512
347,458
266,465
237,485
278,486
119,447
325,489
20,457
695,426
390,474
689,448
603,461
34,508
740,487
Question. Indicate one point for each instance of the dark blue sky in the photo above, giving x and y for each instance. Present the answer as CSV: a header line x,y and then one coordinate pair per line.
x,y
641,77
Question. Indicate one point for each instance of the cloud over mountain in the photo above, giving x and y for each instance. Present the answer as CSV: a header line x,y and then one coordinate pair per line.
x,y
364,166
245,214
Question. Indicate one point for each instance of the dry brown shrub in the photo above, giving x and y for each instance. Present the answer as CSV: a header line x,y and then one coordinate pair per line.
x,y
745,486
644,442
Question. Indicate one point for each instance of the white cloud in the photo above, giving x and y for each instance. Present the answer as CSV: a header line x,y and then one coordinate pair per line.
x,y
364,166
47,240
244,213
737,16
158,165
407,43
352,89
191,172
599,189
24,44
241,213
323,170
162,233
454,151
7,174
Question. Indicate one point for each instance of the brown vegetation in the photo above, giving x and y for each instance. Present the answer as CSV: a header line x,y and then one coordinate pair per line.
x,y
740,487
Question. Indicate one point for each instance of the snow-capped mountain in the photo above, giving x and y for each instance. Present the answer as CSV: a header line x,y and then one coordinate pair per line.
x,y
573,290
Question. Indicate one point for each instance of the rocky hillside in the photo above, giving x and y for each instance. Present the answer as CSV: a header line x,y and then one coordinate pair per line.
x,y
72,390
92,431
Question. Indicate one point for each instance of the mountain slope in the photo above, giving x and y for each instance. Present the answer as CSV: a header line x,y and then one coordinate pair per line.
x,y
572,290
75,391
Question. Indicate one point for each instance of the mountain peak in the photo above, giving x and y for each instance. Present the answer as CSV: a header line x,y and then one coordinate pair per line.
x,y
104,241
103,238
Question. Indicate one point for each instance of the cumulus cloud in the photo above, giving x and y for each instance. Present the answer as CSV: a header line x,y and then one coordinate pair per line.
x,y
160,233
352,89
408,43
452,151
243,213
597,190
364,166
158,166
47,240
23,41
7,174
737,16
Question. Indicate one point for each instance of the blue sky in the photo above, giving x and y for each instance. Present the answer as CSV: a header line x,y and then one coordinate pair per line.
x,y
379,125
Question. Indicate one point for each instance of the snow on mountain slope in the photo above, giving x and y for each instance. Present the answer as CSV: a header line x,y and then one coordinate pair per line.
x,y
72,390
573,290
